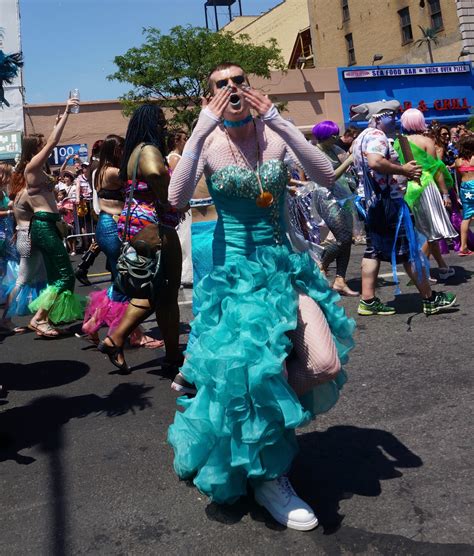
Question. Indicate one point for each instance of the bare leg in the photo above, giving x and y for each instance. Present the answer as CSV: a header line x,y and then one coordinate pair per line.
x,y
370,271
423,285
436,252
167,308
317,360
464,233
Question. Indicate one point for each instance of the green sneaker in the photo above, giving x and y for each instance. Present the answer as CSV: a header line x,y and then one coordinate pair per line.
x,y
442,301
374,308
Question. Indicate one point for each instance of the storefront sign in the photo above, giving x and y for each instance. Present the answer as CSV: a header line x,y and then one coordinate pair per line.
x,y
10,145
443,91
438,104
394,71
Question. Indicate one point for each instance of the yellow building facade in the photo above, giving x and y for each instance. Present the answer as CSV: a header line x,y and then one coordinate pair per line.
x,y
352,32
283,22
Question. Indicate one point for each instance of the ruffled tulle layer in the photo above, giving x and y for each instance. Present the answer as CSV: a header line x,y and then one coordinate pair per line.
x,y
103,310
241,424
8,279
23,296
63,307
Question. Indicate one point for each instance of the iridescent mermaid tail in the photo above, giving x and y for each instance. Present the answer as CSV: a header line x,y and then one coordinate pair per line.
x,y
59,299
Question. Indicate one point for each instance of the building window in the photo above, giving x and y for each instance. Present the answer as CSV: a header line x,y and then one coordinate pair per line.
x,y
405,25
350,50
345,10
435,14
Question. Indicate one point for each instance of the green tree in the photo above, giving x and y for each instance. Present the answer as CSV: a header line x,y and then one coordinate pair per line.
x,y
429,38
173,68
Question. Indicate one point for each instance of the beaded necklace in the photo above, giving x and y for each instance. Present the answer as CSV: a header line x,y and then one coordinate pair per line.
x,y
265,198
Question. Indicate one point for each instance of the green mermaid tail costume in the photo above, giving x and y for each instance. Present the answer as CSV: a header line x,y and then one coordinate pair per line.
x,y
58,297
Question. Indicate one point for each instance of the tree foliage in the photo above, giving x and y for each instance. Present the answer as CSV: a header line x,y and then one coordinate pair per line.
x,y
173,68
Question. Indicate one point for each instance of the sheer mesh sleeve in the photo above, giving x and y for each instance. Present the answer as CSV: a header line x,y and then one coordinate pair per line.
x,y
315,164
191,166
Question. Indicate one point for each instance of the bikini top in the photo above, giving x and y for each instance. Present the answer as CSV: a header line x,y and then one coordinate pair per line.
x,y
465,169
140,186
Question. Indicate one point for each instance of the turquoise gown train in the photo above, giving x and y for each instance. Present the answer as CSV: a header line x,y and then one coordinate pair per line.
x,y
241,424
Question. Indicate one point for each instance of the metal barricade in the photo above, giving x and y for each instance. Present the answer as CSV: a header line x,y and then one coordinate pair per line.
x,y
83,223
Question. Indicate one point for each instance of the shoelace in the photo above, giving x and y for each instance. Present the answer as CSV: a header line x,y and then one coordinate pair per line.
x,y
285,487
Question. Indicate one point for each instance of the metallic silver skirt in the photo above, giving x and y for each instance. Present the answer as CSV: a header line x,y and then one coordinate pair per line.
x,y
431,217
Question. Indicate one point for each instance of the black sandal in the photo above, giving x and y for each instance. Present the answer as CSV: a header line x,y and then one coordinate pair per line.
x,y
112,352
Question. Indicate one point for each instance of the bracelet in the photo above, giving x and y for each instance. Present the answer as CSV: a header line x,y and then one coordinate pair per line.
x,y
445,196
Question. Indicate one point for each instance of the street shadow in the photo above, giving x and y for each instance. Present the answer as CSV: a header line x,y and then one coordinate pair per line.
x,y
462,276
332,465
39,421
42,374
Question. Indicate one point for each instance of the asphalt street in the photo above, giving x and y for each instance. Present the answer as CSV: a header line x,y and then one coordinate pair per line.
x,y
85,467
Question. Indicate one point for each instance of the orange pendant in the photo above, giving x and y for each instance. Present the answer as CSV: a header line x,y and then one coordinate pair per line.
x,y
264,200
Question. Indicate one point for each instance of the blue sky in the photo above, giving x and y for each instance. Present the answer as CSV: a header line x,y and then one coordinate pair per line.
x,y
72,43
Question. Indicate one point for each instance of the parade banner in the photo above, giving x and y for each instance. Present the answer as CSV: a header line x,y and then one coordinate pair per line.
x,y
11,117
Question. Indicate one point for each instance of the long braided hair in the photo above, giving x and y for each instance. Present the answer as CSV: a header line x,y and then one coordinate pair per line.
x,y
147,125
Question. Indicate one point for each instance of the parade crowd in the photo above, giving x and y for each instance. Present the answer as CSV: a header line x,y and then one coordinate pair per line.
x,y
260,221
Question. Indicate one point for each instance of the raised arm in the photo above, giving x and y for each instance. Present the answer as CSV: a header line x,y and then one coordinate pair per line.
x,y
315,164
39,160
191,166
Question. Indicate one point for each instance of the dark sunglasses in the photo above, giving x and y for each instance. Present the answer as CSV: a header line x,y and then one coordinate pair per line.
x,y
236,79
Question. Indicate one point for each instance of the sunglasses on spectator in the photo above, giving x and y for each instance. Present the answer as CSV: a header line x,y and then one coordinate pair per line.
x,y
236,79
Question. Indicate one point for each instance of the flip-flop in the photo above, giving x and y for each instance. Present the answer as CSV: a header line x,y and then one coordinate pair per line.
x,y
465,253
151,343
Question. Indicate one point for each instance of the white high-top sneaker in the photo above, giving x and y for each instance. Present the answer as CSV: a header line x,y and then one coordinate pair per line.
x,y
279,498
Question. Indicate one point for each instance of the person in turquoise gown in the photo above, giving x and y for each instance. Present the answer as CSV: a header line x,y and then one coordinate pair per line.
x,y
270,340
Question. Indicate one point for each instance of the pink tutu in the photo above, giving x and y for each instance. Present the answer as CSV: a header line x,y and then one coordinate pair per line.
x,y
102,311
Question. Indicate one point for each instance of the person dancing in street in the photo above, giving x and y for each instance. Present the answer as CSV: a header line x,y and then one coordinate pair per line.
x,y
31,278
57,303
465,168
107,307
390,233
423,197
241,425
145,142
339,219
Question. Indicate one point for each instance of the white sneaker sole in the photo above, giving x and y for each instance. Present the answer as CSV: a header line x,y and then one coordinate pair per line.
x,y
283,520
182,389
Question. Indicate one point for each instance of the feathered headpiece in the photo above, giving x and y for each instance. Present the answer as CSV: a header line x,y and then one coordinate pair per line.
x,y
9,66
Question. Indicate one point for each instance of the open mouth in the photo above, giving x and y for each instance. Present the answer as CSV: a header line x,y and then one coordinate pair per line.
x,y
234,100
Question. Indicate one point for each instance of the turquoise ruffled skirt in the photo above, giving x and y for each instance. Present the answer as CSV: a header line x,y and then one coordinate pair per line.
x,y
241,424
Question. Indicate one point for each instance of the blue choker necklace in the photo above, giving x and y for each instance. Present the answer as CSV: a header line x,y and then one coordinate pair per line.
x,y
240,123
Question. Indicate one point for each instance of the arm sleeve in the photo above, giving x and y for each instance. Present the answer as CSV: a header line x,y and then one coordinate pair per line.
x,y
191,166
315,164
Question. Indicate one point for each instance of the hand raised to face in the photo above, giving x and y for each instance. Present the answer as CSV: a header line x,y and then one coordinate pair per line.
x,y
257,100
218,102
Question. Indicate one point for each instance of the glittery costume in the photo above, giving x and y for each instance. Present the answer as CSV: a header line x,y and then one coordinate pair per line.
x,y
58,298
106,307
8,254
31,277
424,199
241,424
466,193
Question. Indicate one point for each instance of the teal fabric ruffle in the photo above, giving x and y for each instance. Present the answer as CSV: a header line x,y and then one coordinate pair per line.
x,y
241,424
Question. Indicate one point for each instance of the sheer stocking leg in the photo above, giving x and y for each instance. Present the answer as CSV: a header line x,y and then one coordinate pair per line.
x,y
316,358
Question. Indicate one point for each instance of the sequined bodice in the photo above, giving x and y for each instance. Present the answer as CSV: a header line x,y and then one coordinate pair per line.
x,y
242,225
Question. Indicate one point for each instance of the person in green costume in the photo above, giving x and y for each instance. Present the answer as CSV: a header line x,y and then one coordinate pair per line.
x,y
57,302
423,196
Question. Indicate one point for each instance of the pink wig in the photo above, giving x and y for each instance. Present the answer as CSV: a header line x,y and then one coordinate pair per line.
x,y
413,120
